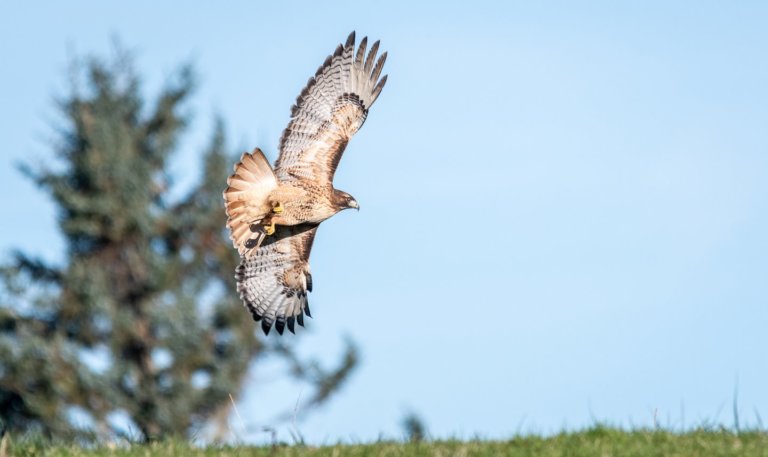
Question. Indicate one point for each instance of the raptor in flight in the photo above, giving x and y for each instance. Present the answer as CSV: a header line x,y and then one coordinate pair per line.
x,y
273,213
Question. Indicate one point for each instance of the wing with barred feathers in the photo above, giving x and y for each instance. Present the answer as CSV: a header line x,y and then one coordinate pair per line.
x,y
330,109
274,280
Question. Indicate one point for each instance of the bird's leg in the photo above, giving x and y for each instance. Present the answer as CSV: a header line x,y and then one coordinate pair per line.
x,y
277,208
266,226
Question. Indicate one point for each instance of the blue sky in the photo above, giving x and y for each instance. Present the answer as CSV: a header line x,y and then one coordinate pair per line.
x,y
564,204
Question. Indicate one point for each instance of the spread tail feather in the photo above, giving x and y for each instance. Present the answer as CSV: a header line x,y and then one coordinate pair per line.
x,y
247,199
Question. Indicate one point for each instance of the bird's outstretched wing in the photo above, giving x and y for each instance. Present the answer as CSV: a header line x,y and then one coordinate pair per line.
x,y
330,109
274,279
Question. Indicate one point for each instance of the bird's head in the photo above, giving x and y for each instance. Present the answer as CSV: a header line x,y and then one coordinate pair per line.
x,y
343,200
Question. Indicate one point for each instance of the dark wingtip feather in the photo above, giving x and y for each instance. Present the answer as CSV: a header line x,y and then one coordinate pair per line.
x,y
291,321
300,318
350,40
379,66
361,51
371,56
280,324
306,310
377,90
309,281
266,326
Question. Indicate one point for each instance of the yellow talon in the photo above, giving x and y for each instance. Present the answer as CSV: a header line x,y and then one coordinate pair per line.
x,y
278,208
270,229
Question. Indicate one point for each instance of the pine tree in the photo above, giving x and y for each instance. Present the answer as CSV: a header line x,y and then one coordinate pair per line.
x,y
141,320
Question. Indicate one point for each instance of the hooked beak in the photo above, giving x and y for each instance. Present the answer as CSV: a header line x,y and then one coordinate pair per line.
x,y
354,204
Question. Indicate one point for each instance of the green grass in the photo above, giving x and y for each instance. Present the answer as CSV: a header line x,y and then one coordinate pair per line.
x,y
597,441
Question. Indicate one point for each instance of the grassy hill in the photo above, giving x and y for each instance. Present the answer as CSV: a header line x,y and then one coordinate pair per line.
x,y
597,441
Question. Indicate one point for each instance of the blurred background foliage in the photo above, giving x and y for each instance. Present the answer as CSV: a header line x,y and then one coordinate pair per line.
x,y
139,331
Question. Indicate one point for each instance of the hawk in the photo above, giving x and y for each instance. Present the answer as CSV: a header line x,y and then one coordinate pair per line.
x,y
273,213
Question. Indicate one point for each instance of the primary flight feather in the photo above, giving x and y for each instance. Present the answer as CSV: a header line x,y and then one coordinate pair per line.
x,y
273,214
